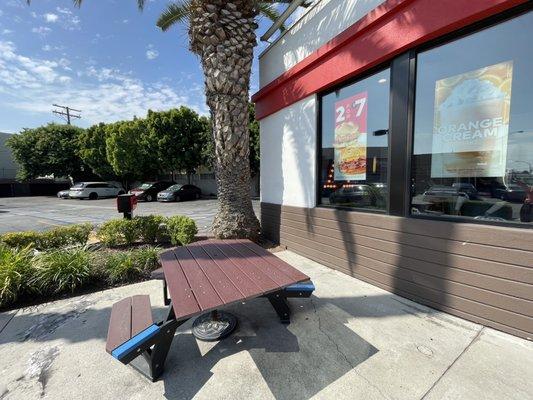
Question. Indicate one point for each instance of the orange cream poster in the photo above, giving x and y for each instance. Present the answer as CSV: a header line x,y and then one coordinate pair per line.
x,y
350,138
471,123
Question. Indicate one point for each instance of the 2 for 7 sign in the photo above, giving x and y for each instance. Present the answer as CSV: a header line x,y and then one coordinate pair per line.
x,y
353,109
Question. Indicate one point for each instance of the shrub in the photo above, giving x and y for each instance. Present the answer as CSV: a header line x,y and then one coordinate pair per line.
x,y
65,236
61,270
15,268
131,265
118,231
21,239
149,227
181,229
52,239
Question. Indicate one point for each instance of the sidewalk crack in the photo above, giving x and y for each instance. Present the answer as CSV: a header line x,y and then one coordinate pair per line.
x,y
351,366
474,340
7,323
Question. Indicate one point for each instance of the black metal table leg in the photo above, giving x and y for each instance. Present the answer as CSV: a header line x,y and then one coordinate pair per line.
x,y
281,306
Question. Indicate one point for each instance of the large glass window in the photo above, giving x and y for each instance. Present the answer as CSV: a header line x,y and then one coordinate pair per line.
x,y
354,153
473,131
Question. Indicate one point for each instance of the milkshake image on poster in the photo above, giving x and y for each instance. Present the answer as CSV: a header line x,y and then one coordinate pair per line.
x,y
471,123
350,138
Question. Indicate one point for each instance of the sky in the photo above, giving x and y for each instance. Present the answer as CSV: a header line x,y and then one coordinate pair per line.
x,y
106,58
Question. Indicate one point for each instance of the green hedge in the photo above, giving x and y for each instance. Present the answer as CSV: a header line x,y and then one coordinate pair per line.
x,y
179,230
52,239
54,272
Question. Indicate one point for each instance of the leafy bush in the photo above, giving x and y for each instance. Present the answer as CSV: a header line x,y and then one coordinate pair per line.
x,y
149,227
61,271
55,238
130,265
65,236
181,229
15,268
21,239
118,231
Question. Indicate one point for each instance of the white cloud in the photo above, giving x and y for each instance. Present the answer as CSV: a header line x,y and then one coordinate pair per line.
x,y
49,17
6,31
41,30
104,94
125,21
151,54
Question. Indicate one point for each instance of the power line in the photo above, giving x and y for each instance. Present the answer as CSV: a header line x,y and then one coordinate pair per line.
x,y
67,114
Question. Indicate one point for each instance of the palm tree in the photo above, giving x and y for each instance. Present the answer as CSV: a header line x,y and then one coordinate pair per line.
x,y
222,34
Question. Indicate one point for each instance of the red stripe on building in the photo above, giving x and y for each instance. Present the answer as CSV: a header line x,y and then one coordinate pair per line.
x,y
390,29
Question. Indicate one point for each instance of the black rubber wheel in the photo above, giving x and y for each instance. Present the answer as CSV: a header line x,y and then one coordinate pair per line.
x,y
149,197
93,196
213,326
177,198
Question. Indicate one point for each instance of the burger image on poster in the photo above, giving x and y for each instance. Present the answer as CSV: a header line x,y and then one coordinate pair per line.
x,y
350,148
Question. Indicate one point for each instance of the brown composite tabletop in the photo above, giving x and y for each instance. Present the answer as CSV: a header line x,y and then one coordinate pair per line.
x,y
206,275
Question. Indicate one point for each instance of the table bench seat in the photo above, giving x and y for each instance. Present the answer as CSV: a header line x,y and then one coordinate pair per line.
x,y
131,325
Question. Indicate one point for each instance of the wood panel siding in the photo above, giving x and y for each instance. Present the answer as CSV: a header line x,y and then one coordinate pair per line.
x,y
478,272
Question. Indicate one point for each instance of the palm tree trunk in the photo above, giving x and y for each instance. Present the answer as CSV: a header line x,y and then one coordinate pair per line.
x,y
223,35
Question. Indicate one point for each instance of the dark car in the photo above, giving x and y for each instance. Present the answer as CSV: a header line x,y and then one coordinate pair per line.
x,y
438,194
358,194
467,188
179,192
511,192
148,191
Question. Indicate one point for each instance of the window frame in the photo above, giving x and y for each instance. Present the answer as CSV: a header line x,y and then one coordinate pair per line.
x,y
402,100
318,159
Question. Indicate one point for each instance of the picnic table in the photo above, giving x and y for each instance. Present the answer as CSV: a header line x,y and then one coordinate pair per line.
x,y
199,279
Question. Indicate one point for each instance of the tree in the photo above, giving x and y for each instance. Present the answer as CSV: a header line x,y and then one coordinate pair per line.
x,y
48,150
179,137
253,125
222,34
128,151
92,151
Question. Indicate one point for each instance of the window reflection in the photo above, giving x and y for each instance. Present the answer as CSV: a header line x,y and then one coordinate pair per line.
x,y
473,139
353,163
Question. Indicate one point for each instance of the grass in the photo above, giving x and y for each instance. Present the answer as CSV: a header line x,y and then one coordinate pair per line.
x,y
61,271
15,266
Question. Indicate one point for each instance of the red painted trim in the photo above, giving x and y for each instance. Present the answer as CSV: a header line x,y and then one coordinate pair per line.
x,y
390,29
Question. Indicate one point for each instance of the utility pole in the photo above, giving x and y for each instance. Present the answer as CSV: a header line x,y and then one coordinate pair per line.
x,y
66,113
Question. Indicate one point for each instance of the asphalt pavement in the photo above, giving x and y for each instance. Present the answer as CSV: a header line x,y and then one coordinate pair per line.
x,y
41,213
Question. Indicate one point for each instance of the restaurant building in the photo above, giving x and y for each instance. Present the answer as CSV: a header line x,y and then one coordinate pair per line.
x,y
397,147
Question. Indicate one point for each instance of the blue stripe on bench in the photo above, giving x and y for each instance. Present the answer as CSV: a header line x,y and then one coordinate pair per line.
x,y
301,287
135,341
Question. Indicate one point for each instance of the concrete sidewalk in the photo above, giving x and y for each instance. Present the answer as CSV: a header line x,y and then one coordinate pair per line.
x,y
349,341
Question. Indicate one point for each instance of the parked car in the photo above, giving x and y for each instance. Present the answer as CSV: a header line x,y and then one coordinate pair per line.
x,y
148,191
467,188
94,190
63,194
358,194
510,192
438,194
179,192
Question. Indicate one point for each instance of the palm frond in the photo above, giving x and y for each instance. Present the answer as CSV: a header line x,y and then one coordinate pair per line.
x,y
270,11
174,14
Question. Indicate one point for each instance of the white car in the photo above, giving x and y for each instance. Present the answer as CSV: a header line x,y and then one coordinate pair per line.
x,y
94,190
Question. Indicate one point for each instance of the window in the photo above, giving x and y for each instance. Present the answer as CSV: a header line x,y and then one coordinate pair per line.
x,y
473,126
354,144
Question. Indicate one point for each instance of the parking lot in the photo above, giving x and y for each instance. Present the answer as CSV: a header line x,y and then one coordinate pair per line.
x,y
40,213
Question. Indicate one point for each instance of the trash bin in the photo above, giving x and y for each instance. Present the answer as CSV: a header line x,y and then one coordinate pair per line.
x,y
126,203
